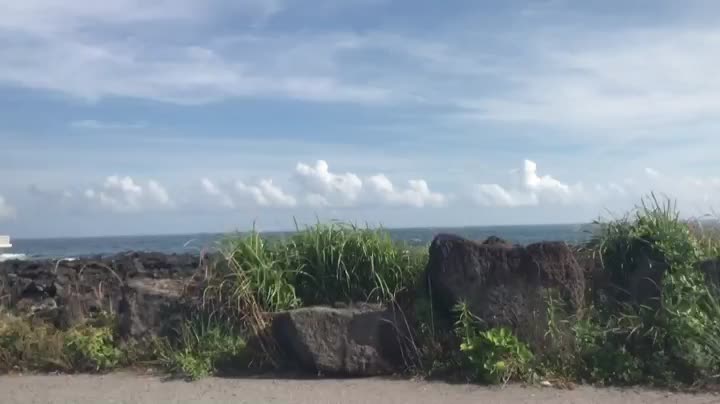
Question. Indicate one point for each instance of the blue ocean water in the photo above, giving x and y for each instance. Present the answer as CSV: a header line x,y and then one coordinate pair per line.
x,y
80,247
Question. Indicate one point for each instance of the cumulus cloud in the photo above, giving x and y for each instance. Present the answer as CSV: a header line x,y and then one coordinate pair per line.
x,y
265,193
532,190
158,193
211,189
323,188
326,188
123,194
6,210
418,193
495,195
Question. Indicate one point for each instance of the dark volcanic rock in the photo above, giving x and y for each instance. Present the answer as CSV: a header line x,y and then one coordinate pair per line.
x,y
494,240
506,285
354,341
711,269
69,291
150,307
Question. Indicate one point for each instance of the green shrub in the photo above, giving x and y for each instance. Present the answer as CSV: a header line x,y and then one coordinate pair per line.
x,y
603,355
30,346
203,348
495,355
92,348
34,345
677,338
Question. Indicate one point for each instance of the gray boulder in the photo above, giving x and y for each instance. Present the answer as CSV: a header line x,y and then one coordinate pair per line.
x,y
150,307
354,341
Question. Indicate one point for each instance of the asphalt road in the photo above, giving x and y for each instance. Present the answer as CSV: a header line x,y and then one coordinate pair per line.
x,y
139,389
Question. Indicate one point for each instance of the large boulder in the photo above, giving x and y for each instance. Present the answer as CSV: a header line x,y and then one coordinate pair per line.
x,y
353,341
505,285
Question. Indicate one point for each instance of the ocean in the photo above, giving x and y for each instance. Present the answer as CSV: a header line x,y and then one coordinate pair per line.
x,y
57,248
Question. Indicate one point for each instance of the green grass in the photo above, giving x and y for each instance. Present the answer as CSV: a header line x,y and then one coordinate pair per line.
x,y
319,265
203,348
344,263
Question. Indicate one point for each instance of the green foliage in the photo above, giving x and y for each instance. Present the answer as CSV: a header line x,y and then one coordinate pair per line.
x,y
203,348
92,348
603,355
252,268
495,355
27,344
340,262
677,337
322,264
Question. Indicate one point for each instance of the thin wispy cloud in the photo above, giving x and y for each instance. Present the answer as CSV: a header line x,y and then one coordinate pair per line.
x,y
93,124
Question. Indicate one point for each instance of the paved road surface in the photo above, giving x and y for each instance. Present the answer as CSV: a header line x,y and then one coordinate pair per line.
x,y
141,389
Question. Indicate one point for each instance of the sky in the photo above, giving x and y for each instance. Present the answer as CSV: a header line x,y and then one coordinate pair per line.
x,y
177,116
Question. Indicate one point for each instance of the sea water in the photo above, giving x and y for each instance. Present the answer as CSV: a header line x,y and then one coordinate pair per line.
x,y
57,248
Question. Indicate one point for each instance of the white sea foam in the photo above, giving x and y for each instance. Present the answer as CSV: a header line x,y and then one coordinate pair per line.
x,y
9,256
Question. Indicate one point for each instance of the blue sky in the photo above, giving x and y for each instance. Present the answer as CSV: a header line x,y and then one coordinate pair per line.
x,y
137,117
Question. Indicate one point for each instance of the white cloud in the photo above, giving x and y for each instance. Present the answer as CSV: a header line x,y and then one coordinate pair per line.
x,y
6,210
323,188
123,194
265,193
651,172
542,184
327,188
533,189
495,195
211,189
418,194
158,193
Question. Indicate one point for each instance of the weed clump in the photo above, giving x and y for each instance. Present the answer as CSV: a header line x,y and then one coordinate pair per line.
x,y
92,348
204,347
492,356
343,263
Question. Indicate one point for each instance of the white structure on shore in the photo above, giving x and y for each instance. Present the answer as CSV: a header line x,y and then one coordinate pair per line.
x,y
5,242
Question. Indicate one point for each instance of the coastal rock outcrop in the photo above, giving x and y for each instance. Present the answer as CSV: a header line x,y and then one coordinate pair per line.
x,y
66,292
503,284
